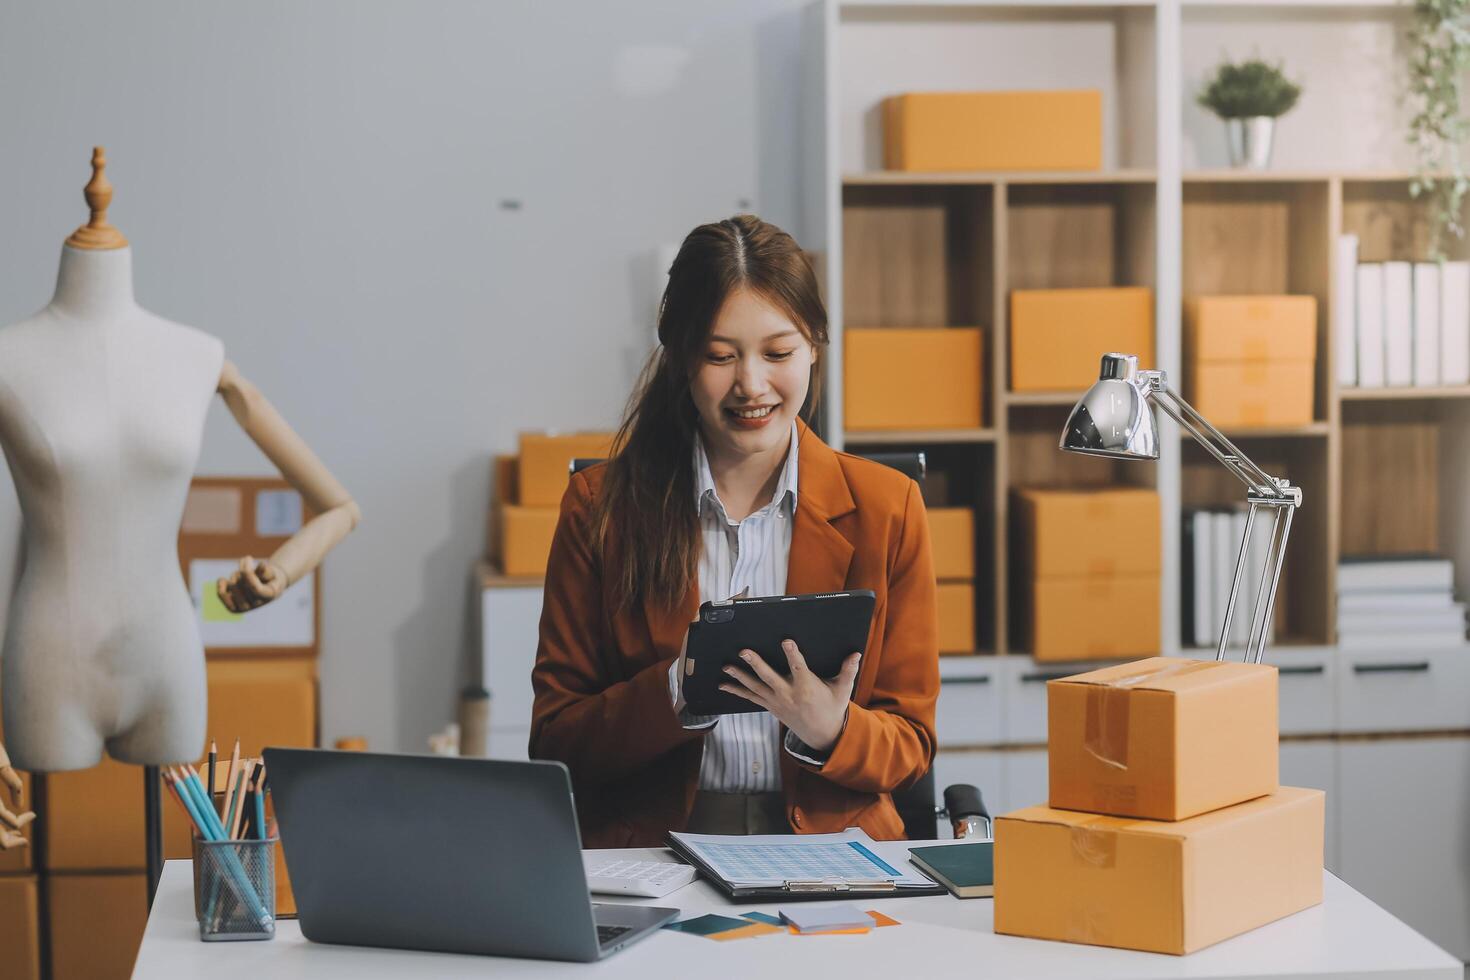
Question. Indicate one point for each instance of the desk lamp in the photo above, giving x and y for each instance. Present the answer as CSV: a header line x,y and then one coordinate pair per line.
x,y
1113,419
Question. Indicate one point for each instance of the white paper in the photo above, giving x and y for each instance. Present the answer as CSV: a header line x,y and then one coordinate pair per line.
x,y
1345,311
1398,324
1426,324
1370,325
288,621
771,860
1454,323
277,513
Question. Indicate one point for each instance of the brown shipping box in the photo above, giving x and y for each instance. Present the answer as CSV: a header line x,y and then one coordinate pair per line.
x,y
96,924
912,378
524,538
1104,617
545,462
1058,336
1089,532
1035,130
1251,361
1156,886
956,617
1164,738
20,928
952,535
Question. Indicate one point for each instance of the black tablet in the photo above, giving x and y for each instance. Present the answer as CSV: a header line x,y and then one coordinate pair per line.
x,y
827,627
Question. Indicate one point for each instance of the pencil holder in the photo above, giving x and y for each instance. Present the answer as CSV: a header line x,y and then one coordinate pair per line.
x,y
235,888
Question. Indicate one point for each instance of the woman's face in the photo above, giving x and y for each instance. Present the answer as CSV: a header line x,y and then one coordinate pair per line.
x,y
752,377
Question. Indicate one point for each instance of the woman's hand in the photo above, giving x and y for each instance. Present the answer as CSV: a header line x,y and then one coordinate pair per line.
x,y
253,584
810,707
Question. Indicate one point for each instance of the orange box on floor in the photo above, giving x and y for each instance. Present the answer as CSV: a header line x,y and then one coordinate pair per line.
x,y
1157,886
1163,739
545,461
1058,336
96,924
912,377
1251,360
956,617
1106,617
952,539
1089,532
20,927
523,536
1028,130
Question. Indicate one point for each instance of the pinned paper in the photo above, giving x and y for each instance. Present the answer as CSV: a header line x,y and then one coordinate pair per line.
x,y
277,513
211,510
214,609
287,621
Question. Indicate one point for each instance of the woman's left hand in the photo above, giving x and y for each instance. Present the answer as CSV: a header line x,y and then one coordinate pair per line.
x,y
812,708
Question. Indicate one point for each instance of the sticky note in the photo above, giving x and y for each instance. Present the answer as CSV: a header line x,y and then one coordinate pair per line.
x,y
214,609
708,925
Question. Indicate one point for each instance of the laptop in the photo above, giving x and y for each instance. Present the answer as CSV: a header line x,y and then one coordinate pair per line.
x,y
445,854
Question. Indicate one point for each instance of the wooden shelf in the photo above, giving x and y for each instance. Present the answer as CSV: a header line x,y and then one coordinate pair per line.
x,y
903,437
1403,394
1295,176
987,177
1310,430
1065,399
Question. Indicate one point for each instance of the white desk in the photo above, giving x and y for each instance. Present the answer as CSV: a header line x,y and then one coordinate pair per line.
x,y
1346,936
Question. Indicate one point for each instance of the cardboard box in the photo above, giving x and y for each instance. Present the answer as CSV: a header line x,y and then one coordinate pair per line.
x,y
1089,532
524,537
545,464
1251,361
912,378
1164,738
1058,336
1154,886
96,924
1106,617
20,927
952,539
956,617
1246,394
1038,130
505,476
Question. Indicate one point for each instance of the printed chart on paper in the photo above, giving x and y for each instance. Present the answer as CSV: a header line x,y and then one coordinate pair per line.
x,y
776,859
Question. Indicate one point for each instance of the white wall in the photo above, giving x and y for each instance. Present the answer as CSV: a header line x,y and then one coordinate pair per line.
x,y
322,185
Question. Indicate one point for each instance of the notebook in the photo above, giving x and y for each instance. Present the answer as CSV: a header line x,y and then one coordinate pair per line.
x,y
967,870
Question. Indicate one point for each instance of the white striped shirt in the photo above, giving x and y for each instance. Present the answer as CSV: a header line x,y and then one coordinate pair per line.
x,y
751,556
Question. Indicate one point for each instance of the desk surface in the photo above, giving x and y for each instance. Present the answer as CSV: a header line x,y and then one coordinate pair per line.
x,y
1345,936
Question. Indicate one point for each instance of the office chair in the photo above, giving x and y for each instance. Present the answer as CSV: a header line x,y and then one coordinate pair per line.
x,y
915,804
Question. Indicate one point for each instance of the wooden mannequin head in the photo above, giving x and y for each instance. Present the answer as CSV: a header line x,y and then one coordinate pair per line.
x,y
97,233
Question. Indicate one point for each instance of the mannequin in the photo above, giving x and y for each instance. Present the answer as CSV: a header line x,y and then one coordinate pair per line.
x,y
102,409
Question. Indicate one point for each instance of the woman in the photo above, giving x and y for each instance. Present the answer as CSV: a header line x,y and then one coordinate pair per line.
x,y
717,487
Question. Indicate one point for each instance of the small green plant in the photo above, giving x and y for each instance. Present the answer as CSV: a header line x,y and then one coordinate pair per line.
x,y
1439,55
1251,88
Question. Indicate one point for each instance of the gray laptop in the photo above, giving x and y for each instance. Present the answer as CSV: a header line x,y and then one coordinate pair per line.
x,y
445,854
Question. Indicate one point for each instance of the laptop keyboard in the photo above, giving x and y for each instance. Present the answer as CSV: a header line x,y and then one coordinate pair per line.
x,y
606,934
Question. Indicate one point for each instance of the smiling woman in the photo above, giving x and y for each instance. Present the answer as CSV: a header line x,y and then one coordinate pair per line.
x,y
717,487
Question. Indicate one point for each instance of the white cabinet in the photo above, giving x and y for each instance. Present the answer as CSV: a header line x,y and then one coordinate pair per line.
x,y
1404,833
969,708
1307,688
510,620
1025,696
1023,780
980,769
1403,690
1314,765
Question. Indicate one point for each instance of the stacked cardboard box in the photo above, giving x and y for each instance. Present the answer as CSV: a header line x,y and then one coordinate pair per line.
x,y
1024,130
1251,360
1091,565
261,689
1058,336
1166,830
528,491
912,377
952,532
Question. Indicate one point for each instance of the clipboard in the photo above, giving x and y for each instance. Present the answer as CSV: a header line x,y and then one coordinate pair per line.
x,y
798,888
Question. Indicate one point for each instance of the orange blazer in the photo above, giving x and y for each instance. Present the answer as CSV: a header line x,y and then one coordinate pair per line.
x,y
601,677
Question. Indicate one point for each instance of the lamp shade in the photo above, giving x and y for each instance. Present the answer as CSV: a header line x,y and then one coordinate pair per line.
x,y
1113,418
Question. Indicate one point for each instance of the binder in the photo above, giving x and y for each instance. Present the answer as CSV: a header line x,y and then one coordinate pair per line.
x,y
1398,324
1426,324
1370,325
799,879
1345,312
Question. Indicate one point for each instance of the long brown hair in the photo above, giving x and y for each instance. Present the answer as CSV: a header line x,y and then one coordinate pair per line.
x,y
647,502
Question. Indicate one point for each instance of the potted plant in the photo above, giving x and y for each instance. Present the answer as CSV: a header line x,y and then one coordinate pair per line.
x,y
1249,96
1439,54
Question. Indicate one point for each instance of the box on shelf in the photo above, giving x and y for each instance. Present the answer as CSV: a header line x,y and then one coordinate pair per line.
x,y
912,377
20,927
1023,130
1114,531
1251,360
1158,886
1163,738
544,464
523,538
956,617
1058,336
952,535
96,924
1104,617
504,489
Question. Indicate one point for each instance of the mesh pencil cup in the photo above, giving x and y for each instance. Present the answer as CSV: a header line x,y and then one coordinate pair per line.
x,y
235,888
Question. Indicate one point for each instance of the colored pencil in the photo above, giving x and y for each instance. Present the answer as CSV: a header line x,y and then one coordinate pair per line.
x,y
260,805
230,776
247,771
213,758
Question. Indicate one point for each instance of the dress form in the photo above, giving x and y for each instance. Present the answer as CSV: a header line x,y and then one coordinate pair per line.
x,y
102,408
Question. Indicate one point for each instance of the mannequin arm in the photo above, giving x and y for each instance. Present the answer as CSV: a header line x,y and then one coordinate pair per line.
x,y
10,823
258,582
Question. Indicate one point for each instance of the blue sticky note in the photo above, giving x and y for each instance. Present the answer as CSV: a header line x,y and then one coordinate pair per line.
x,y
707,925
766,917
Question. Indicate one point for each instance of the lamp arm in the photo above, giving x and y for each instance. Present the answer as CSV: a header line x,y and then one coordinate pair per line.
x,y
1214,441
